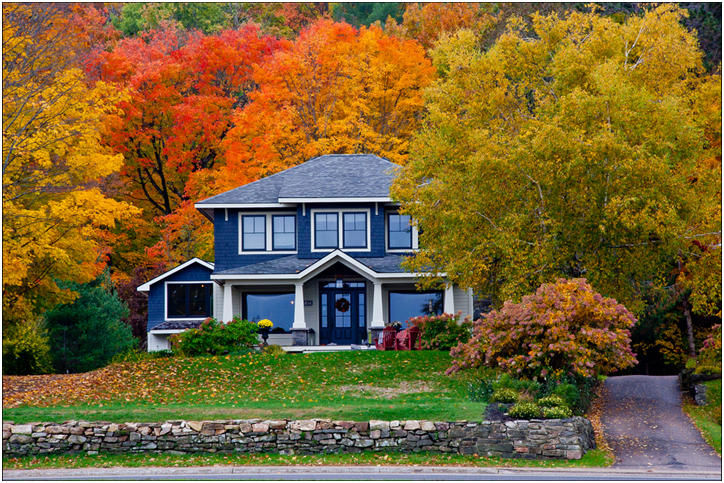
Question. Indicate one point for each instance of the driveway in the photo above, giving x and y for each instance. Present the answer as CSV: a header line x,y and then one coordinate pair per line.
x,y
646,427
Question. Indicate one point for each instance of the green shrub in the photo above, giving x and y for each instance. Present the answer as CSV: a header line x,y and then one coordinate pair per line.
x,y
481,390
558,412
130,355
710,354
162,354
442,332
524,410
578,392
707,370
215,337
26,349
274,350
505,395
563,328
552,402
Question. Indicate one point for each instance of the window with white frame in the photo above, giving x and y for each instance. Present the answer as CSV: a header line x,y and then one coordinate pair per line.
x,y
355,230
399,231
347,229
189,300
284,232
253,232
267,232
325,230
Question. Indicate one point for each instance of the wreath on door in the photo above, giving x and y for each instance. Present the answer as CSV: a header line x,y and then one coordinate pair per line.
x,y
342,305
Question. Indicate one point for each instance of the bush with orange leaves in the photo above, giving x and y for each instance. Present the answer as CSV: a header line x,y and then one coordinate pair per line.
x,y
565,327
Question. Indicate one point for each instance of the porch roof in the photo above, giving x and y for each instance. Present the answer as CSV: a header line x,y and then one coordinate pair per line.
x,y
293,265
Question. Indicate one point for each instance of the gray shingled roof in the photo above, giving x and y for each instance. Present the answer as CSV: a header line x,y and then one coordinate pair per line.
x,y
179,325
329,176
292,264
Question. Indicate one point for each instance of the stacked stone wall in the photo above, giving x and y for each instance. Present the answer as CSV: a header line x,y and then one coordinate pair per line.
x,y
534,439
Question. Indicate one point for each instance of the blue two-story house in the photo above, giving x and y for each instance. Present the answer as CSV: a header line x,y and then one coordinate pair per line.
x,y
316,249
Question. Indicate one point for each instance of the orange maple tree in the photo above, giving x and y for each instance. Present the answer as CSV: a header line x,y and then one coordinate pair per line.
x,y
335,89
182,87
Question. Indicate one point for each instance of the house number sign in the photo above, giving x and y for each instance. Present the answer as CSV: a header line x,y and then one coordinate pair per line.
x,y
307,303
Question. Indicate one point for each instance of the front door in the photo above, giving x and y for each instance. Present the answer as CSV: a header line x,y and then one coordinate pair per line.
x,y
342,313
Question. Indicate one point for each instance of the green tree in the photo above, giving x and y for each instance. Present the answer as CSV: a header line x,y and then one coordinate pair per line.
x,y
365,14
87,333
572,152
26,350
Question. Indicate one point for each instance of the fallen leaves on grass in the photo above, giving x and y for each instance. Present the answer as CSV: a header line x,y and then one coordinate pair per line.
x,y
234,379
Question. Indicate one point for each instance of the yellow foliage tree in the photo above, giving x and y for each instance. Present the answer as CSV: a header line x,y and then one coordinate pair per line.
x,y
54,213
573,152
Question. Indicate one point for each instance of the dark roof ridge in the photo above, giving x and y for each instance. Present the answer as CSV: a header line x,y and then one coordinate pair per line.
x,y
292,181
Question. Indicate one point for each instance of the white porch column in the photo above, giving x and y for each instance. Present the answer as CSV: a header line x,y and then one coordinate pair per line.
x,y
299,322
378,318
228,312
449,302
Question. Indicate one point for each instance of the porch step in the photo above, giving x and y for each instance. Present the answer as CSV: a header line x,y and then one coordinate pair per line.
x,y
308,349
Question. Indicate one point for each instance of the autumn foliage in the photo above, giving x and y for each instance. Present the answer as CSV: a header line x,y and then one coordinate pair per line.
x,y
335,89
565,327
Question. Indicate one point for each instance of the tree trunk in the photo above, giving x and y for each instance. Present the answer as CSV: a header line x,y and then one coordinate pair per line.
x,y
687,315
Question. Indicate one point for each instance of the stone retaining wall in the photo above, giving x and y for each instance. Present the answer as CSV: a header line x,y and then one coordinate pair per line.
x,y
534,439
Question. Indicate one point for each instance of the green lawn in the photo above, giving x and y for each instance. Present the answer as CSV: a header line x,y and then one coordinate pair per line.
x,y
595,458
355,385
708,418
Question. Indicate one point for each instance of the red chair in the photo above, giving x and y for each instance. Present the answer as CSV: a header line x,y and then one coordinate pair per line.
x,y
402,341
415,338
386,341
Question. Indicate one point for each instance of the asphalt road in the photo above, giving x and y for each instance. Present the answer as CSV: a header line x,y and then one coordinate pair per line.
x,y
360,473
646,427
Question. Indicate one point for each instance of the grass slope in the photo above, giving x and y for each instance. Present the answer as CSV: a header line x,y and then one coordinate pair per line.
x,y
708,418
341,385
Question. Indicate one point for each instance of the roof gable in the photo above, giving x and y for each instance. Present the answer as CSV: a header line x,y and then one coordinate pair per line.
x,y
147,286
329,177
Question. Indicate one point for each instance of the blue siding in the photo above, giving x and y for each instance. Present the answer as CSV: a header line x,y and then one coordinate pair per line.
x,y
226,235
156,296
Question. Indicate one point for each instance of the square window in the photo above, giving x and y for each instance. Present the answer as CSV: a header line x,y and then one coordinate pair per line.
x,y
189,300
325,230
284,232
355,230
399,231
253,232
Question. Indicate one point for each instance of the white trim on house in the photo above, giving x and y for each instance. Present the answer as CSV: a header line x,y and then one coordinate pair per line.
x,y
380,199
268,227
340,229
201,206
165,301
320,265
147,286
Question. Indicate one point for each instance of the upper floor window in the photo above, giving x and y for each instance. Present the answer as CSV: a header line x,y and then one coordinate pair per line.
x,y
283,232
325,230
188,300
355,230
399,231
253,235
347,229
267,232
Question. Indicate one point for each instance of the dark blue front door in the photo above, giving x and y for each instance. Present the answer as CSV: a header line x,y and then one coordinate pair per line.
x,y
342,313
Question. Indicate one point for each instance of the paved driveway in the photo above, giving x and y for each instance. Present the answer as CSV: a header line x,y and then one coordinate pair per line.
x,y
646,427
